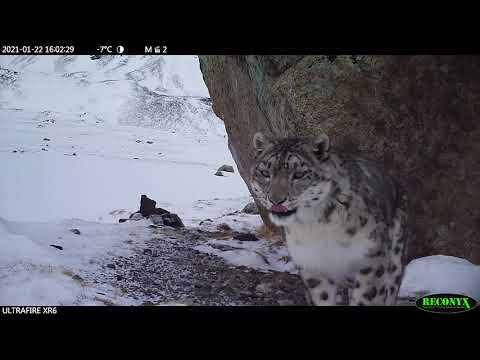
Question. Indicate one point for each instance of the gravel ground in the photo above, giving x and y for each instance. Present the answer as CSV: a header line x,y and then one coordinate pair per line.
x,y
169,270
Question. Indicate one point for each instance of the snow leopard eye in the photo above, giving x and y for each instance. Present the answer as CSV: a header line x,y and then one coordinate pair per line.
x,y
265,173
299,174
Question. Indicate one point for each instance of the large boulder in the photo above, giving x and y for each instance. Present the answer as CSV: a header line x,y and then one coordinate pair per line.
x,y
418,115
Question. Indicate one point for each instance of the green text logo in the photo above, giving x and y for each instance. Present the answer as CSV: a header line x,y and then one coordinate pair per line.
x,y
446,303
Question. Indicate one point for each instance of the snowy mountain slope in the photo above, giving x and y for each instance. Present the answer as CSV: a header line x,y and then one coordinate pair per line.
x,y
168,75
57,166
152,91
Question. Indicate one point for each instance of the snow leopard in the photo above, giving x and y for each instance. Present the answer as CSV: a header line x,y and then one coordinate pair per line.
x,y
344,219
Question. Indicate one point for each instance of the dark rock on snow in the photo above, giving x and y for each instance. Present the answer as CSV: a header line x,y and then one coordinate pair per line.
x,y
172,220
147,206
245,237
226,168
136,216
159,216
224,227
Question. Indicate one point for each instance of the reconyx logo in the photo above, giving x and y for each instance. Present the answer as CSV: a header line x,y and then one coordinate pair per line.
x,y
446,303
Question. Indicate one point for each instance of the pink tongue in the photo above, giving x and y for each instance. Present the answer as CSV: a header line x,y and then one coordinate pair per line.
x,y
279,208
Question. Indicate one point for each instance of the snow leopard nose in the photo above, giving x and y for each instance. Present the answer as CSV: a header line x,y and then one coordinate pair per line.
x,y
278,193
277,199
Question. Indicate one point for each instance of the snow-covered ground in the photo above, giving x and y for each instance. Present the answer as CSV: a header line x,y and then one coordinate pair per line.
x,y
82,139
70,158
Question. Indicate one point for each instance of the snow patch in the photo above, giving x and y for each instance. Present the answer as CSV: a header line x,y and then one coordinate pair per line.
x,y
441,274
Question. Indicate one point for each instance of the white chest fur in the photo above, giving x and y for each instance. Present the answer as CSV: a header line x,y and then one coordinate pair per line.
x,y
327,248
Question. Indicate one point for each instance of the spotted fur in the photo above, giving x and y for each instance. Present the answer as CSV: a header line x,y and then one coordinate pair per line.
x,y
345,219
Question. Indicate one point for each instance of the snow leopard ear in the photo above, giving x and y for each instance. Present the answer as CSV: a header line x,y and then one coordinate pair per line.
x,y
321,146
259,142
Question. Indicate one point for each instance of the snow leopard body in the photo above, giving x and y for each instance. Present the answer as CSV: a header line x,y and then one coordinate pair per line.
x,y
344,219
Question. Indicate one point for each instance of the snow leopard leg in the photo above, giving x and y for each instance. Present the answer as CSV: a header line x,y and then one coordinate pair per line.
x,y
399,233
378,283
370,285
321,289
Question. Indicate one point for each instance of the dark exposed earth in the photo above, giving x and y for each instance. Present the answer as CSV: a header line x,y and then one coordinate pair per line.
x,y
170,270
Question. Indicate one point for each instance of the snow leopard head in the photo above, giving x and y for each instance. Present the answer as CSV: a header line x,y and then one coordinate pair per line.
x,y
290,174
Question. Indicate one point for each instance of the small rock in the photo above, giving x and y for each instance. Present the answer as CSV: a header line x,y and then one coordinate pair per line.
x,y
150,142
224,227
135,158
136,216
75,231
111,266
43,149
160,211
57,247
74,154
122,220
263,288
172,220
251,208
204,221
157,219
223,247
46,139
14,151
219,173
148,252
147,205
77,277
245,237
226,168
138,141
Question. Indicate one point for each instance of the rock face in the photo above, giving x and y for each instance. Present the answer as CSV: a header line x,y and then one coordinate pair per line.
x,y
418,115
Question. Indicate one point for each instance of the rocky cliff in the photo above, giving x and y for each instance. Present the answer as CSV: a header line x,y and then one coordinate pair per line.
x,y
418,115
